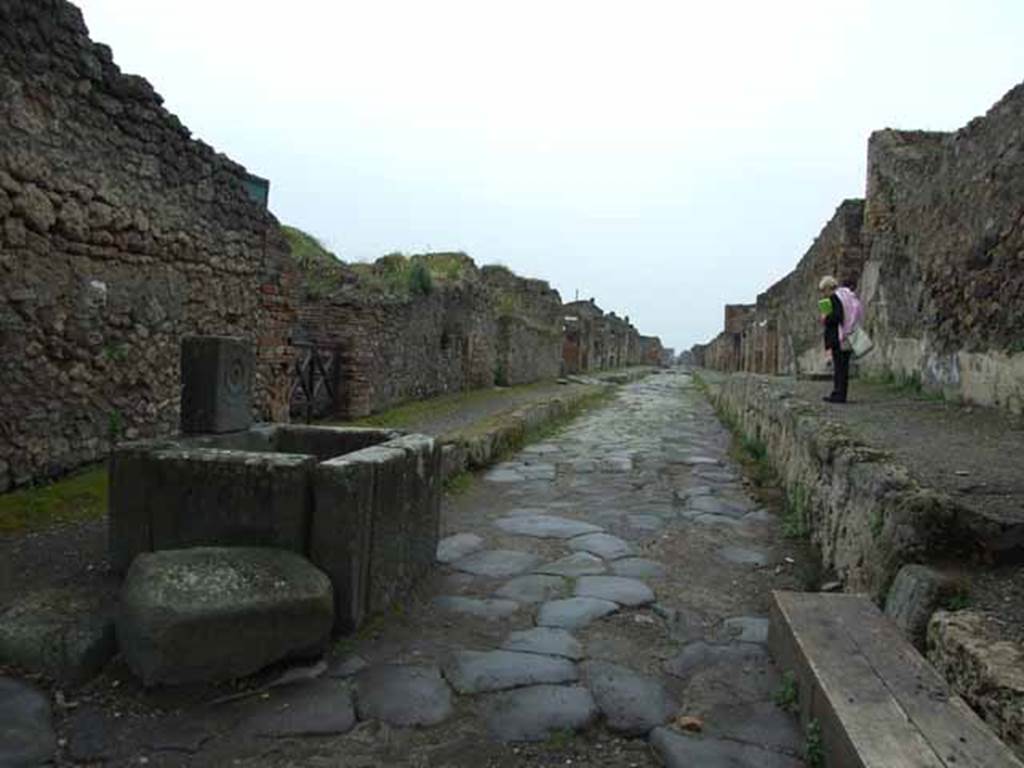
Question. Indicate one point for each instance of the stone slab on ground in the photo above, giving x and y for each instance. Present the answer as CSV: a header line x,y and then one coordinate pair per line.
x,y
546,526
616,589
742,556
601,544
747,629
66,633
480,671
637,568
212,613
681,751
576,564
497,563
26,727
534,713
760,722
533,588
631,703
574,612
483,608
90,735
458,546
700,655
319,708
403,695
549,641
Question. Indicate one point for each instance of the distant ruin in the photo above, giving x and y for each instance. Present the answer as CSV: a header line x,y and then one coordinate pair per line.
x,y
936,250
121,234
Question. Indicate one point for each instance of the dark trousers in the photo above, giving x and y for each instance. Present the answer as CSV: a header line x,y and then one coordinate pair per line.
x,y
840,374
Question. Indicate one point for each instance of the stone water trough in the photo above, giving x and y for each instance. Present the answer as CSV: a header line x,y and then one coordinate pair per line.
x,y
227,506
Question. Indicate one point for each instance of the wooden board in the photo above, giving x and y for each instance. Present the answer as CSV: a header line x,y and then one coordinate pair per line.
x,y
879,703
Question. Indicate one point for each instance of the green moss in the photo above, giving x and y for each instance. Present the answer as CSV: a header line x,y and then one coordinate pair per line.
x,y
458,483
80,496
322,271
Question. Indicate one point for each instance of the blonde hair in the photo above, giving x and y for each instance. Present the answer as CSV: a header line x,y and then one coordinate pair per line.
x,y
828,283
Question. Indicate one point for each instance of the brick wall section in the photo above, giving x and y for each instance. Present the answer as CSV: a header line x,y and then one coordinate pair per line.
x,y
119,234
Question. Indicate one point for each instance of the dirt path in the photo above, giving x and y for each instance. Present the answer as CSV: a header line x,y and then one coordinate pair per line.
x,y
521,651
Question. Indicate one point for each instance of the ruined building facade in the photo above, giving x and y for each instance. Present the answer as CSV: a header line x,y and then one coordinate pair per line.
x,y
936,252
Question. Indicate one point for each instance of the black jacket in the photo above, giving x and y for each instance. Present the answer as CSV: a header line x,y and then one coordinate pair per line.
x,y
833,320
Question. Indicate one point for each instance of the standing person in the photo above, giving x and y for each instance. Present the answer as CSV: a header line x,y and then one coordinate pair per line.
x,y
839,322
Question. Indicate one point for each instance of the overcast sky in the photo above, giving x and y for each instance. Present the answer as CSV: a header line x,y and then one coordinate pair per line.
x,y
662,157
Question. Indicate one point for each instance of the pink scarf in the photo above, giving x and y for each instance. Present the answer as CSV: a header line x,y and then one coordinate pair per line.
x,y
853,311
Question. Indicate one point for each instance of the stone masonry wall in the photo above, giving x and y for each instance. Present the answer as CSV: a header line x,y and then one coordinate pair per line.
x,y
936,251
119,234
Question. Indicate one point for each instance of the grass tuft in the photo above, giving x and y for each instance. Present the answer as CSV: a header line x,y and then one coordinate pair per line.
x,y
78,497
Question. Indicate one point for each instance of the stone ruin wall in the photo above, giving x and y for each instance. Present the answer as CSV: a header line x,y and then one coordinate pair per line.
x,y
938,247
595,341
119,234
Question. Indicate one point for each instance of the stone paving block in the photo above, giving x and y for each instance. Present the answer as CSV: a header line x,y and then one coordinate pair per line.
x,y
533,588
533,713
403,695
66,633
458,546
576,564
546,526
601,544
480,671
747,629
631,703
916,593
549,641
637,568
483,608
211,614
700,655
574,612
497,563
760,722
742,556
617,589
26,727
319,708
683,751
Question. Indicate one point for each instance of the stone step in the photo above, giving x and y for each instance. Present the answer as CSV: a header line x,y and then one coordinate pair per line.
x,y
877,702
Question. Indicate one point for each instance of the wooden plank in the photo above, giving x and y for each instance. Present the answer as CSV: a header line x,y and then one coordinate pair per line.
x,y
863,726
950,726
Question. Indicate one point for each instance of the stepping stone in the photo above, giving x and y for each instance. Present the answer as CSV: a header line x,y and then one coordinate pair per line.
x,y
533,588
348,667
646,522
617,589
480,671
680,751
504,476
534,713
67,633
700,655
548,641
403,695
714,505
601,544
483,608
26,727
637,568
747,629
458,546
574,612
761,722
742,556
576,564
320,708
631,703
706,519
174,601
497,563
546,526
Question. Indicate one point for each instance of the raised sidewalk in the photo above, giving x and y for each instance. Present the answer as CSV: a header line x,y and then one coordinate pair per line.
x,y
894,479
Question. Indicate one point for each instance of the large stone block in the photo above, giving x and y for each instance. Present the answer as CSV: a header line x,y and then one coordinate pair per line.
x,y
916,593
174,498
66,634
212,614
216,384
341,532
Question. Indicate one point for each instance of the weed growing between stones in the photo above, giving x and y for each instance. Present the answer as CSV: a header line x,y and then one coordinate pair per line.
x,y
458,483
796,519
787,695
814,748
959,600
78,497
